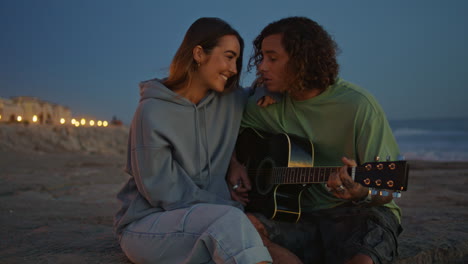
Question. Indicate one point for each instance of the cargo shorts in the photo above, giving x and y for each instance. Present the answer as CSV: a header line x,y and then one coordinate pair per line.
x,y
336,235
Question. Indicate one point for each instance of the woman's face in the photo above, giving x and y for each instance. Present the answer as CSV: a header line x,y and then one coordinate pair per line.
x,y
220,65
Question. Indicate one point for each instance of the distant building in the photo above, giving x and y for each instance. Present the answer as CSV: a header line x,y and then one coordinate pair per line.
x,y
59,112
9,110
116,122
32,110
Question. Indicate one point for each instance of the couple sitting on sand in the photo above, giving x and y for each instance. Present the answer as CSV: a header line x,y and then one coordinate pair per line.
x,y
184,201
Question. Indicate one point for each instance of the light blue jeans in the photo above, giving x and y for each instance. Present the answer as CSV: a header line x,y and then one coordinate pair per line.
x,y
203,233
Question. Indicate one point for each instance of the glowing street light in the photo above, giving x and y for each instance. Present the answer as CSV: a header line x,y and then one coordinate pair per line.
x,y
99,123
91,122
77,124
19,118
73,121
62,121
34,119
0,117
83,121
105,123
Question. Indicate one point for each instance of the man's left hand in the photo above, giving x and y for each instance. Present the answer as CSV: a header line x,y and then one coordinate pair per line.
x,y
342,185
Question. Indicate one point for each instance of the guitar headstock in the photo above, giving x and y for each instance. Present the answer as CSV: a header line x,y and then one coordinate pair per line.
x,y
385,175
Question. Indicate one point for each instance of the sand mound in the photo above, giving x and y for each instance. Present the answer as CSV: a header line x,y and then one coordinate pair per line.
x,y
47,138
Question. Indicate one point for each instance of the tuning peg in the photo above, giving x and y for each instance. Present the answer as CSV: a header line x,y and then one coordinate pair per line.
x,y
374,192
388,158
396,194
377,158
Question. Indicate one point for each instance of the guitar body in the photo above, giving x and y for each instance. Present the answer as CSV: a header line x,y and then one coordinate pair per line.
x,y
260,152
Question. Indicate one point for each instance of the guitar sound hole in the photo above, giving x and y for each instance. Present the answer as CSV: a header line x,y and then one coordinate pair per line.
x,y
263,176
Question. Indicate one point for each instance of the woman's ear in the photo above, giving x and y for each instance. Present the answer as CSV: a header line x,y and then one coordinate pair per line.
x,y
198,54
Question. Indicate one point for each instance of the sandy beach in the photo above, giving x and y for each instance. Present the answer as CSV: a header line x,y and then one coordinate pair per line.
x,y
58,187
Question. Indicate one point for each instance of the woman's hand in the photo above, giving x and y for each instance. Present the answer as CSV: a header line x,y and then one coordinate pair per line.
x,y
265,101
238,181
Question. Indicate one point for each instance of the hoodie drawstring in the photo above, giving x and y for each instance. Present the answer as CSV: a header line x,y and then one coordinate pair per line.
x,y
197,136
199,142
207,145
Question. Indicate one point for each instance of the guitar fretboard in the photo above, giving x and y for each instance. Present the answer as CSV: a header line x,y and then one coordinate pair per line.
x,y
301,175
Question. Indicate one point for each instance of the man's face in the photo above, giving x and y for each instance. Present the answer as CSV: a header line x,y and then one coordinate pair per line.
x,y
273,68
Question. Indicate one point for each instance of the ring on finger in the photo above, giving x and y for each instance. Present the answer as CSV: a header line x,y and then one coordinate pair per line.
x,y
340,189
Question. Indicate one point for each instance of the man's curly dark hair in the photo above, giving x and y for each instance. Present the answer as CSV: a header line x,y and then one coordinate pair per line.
x,y
312,53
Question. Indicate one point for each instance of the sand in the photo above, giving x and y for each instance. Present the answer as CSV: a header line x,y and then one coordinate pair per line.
x,y
58,187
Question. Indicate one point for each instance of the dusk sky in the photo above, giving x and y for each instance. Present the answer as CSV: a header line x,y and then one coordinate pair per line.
x,y
411,55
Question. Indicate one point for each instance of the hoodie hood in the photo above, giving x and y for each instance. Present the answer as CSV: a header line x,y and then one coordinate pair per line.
x,y
154,88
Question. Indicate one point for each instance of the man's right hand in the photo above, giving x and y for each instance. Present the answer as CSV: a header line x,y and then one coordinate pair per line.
x,y
238,181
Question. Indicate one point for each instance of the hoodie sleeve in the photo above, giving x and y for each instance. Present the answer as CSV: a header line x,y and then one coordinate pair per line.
x,y
158,176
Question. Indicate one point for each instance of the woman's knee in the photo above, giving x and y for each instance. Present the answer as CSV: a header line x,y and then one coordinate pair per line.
x,y
209,216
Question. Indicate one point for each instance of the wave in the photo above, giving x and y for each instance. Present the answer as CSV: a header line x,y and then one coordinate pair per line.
x,y
410,132
436,156
405,132
432,139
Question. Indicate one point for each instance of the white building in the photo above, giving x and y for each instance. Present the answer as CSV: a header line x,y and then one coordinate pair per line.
x,y
32,110
9,110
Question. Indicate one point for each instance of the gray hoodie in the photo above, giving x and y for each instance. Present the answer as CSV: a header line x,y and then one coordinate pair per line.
x,y
178,152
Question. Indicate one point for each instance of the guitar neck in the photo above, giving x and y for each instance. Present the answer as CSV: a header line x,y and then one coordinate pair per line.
x,y
303,175
383,175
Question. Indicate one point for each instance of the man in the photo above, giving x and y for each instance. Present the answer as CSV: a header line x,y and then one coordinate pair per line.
x,y
342,222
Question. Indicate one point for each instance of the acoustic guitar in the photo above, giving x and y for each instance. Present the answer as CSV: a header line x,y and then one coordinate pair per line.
x,y
280,167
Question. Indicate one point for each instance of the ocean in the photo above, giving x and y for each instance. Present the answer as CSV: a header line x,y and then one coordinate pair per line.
x,y
432,139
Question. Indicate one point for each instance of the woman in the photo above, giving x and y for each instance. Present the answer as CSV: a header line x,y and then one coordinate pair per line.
x,y
176,206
